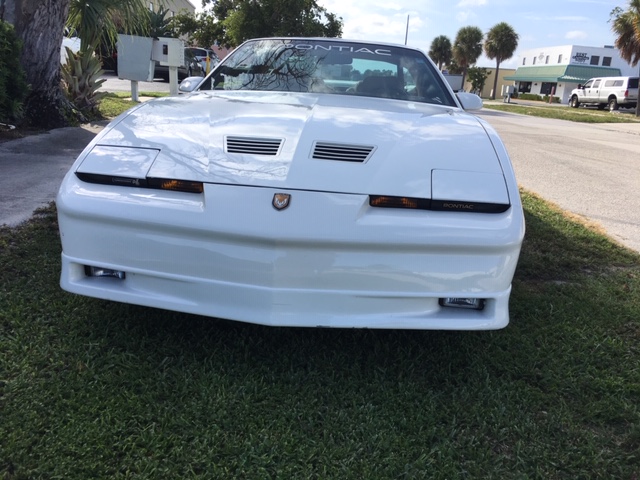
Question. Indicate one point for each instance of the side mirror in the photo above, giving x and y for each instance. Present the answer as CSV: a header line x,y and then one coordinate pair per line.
x,y
580,86
189,84
469,101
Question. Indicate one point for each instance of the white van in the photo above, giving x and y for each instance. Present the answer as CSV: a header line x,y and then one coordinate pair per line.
x,y
611,92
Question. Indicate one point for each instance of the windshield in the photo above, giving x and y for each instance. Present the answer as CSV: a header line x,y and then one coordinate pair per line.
x,y
332,67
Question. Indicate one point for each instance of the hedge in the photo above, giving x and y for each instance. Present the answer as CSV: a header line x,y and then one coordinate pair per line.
x,y
13,81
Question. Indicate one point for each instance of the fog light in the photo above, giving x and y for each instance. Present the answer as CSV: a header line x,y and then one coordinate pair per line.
x,y
103,272
470,303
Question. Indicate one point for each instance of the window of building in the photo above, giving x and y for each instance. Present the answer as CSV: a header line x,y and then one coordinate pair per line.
x,y
606,61
524,61
560,58
151,6
534,60
546,60
595,59
547,88
524,87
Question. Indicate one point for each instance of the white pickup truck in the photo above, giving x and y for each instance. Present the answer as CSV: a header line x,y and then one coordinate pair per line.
x,y
606,92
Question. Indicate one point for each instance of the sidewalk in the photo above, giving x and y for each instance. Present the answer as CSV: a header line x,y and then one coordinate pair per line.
x,y
33,167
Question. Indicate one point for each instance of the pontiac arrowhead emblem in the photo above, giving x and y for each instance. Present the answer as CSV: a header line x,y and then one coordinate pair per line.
x,y
281,201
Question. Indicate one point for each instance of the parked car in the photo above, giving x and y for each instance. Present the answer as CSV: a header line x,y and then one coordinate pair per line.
x,y
201,55
304,182
191,67
606,92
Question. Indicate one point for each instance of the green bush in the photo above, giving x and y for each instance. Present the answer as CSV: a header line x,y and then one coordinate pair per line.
x,y
530,96
538,98
554,99
13,81
81,80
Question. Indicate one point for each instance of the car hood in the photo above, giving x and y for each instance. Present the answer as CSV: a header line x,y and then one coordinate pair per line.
x,y
305,141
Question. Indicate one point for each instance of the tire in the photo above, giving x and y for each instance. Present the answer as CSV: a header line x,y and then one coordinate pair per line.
x,y
613,105
574,103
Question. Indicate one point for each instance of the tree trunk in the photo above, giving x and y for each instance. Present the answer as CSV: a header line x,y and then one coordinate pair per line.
x,y
495,80
40,26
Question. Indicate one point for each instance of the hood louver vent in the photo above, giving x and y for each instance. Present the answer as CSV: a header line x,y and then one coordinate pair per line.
x,y
342,153
253,146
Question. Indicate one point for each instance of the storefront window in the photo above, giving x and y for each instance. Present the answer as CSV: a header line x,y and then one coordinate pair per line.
x,y
524,87
547,88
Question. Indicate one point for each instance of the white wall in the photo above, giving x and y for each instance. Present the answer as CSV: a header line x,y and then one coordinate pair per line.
x,y
575,55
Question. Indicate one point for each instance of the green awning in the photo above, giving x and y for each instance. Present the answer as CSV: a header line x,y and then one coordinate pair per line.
x,y
582,73
562,73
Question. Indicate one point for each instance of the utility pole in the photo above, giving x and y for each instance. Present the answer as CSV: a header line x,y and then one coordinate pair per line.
x,y
406,35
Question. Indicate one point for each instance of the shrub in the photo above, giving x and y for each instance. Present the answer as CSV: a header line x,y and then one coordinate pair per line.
x,y
81,80
538,98
530,96
13,80
554,99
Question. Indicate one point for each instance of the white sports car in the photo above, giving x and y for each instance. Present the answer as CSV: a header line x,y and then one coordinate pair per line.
x,y
304,182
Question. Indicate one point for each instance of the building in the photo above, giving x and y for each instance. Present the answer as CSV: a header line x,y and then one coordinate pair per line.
x,y
174,6
488,85
558,70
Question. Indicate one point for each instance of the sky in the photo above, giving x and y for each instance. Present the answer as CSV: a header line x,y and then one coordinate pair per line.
x,y
539,24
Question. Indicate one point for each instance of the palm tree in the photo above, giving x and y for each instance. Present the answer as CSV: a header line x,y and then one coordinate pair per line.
x,y
40,26
440,51
159,24
626,25
96,21
501,42
98,18
467,48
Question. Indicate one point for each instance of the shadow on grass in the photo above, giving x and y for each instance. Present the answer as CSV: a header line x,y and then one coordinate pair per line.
x,y
557,248
134,391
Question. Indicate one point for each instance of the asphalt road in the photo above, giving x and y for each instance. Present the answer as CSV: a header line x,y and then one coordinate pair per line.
x,y
114,84
592,170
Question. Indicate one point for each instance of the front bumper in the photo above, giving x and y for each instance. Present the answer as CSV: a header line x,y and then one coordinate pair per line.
x,y
328,260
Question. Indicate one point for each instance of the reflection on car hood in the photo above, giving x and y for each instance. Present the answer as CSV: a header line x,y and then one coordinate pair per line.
x,y
335,143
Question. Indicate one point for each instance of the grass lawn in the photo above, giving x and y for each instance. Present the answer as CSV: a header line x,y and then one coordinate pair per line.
x,y
94,389
583,115
114,103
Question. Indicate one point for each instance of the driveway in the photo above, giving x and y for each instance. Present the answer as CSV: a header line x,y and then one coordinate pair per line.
x,y
114,84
